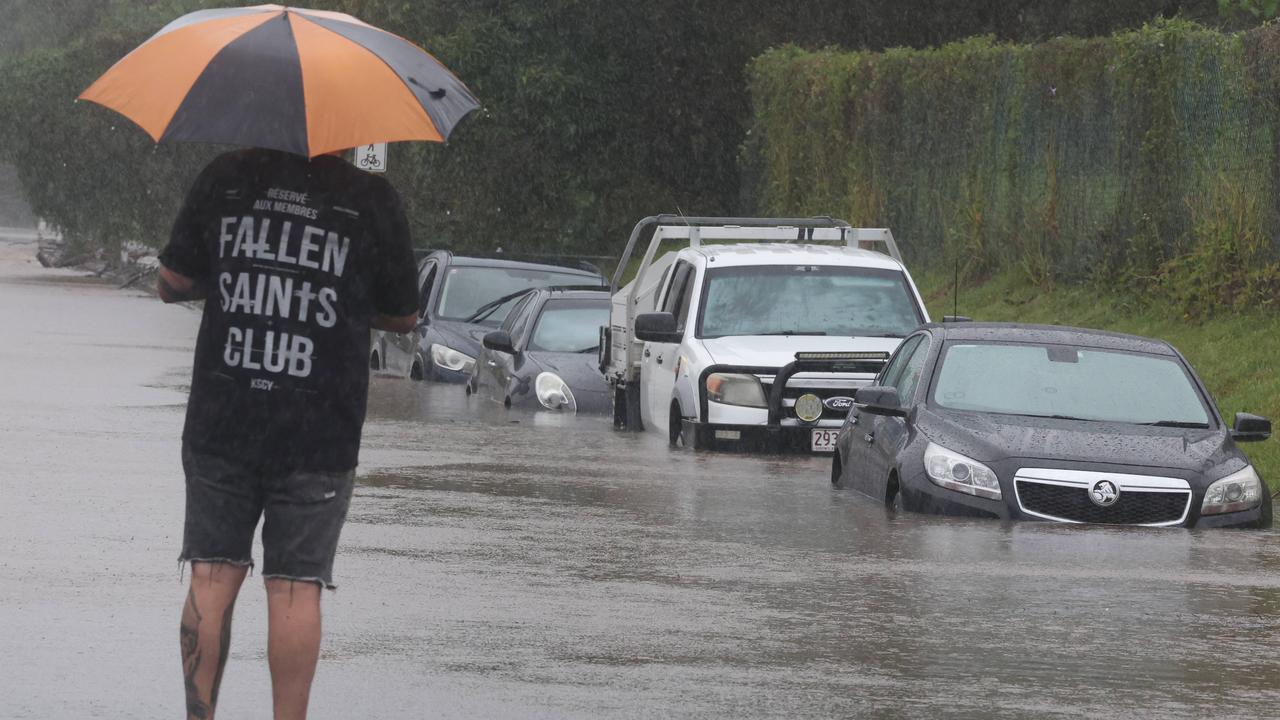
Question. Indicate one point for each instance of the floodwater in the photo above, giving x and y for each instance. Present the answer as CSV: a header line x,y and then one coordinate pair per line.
x,y
533,566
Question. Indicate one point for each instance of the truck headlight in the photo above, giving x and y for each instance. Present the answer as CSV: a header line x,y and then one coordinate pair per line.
x,y
554,393
736,389
956,472
1238,491
446,357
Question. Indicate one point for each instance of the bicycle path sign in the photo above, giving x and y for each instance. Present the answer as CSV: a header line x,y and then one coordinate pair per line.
x,y
372,158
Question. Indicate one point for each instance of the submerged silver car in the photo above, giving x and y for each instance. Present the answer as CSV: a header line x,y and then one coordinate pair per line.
x,y
545,354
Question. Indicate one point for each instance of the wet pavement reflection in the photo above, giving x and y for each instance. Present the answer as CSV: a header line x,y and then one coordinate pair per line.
x,y
514,564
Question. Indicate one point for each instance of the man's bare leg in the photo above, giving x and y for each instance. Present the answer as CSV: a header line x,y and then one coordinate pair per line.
x,y
205,632
293,644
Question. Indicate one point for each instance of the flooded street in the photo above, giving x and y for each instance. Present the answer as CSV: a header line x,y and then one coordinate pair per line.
x,y
516,565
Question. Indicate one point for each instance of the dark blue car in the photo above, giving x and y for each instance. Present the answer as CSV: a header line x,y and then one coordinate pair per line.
x,y
461,299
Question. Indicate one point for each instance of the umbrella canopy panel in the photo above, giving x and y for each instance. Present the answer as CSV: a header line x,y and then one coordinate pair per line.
x,y
302,81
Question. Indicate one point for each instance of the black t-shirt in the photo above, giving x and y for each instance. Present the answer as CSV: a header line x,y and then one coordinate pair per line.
x,y
298,255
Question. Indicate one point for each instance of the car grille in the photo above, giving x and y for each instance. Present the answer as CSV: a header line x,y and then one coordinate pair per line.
x,y
1134,507
791,392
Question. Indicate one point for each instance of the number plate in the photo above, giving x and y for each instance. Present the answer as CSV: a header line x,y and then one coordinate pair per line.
x,y
824,439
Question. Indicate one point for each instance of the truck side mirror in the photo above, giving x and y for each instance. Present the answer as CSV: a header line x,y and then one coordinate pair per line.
x,y
1250,428
657,327
500,341
879,400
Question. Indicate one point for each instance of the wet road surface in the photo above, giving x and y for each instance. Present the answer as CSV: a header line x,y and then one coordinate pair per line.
x,y
532,566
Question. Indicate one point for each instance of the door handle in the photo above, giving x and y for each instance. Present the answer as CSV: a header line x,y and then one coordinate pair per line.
x,y
869,437
493,363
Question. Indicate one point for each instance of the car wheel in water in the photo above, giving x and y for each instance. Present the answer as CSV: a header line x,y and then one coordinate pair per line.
x,y
632,409
675,423
619,409
893,499
375,362
836,468
415,372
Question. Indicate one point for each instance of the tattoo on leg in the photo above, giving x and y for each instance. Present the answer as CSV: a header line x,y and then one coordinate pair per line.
x,y
189,634
224,649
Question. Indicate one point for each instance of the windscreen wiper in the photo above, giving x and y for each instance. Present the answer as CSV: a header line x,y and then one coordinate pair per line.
x,y
487,309
1057,417
1178,424
795,332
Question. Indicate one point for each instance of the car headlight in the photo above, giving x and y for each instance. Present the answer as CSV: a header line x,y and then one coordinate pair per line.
x,y
450,359
954,471
553,393
736,389
1238,491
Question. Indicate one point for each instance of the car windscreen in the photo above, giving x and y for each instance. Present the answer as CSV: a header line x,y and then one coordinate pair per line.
x,y
808,300
570,326
1069,382
469,288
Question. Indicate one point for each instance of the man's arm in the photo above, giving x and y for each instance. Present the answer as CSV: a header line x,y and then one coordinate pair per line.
x,y
174,287
184,262
396,324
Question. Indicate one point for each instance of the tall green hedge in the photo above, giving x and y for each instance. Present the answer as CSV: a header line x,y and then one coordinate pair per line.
x,y
596,113
1147,158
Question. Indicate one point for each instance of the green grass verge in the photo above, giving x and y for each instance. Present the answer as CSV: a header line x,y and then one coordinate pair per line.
x,y
1237,355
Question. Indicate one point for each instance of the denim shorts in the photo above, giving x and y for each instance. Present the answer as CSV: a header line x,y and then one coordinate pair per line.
x,y
302,515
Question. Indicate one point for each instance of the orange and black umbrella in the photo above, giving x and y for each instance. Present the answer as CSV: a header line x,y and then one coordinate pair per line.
x,y
303,81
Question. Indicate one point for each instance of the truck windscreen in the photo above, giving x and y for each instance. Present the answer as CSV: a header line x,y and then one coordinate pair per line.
x,y
807,300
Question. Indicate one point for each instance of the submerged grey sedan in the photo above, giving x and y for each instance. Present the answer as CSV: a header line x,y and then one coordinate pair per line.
x,y
1050,423
545,354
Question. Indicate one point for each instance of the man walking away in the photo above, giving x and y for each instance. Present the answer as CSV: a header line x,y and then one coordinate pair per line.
x,y
296,260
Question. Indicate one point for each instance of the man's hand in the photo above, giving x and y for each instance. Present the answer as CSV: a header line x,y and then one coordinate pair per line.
x,y
401,324
174,287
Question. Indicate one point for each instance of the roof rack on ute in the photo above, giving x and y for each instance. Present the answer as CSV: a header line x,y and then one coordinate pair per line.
x,y
823,228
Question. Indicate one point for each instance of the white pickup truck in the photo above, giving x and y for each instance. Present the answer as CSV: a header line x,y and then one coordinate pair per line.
x,y
756,332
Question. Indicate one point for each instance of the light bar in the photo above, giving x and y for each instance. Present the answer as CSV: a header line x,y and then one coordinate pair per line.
x,y
844,356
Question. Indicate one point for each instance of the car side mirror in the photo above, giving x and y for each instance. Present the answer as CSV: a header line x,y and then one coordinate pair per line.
x,y
657,327
879,400
1250,428
501,341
